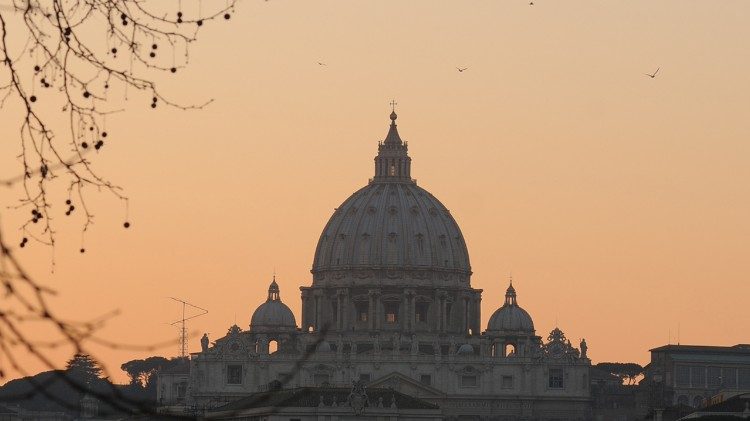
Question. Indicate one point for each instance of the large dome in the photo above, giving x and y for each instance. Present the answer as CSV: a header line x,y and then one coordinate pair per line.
x,y
273,315
392,224
510,317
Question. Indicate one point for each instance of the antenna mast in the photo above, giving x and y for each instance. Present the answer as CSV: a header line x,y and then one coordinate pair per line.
x,y
183,326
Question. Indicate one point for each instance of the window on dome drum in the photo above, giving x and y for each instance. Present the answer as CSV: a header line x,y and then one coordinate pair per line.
x,y
392,170
391,312
507,382
468,381
420,311
234,374
556,378
510,350
425,379
273,346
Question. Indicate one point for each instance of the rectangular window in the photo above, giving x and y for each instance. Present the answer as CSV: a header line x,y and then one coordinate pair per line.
x,y
234,374
425,379
421,312
682,375
744,378
362,309
391,312
320,379
698,376
468,381
181,390
507,382
729,377
556,378
365,377
714,376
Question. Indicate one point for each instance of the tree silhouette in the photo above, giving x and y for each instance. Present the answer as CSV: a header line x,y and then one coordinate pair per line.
x,y
626,372
77,59
141,372
83,369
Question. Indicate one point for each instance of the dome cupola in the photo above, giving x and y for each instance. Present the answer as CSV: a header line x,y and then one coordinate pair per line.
x,y
273,315
510,317
392,225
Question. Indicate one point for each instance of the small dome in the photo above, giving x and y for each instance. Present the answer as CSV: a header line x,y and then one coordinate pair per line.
x,y
465,349
511,317
273,315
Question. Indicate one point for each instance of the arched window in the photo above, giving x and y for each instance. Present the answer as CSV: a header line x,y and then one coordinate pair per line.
x,y
510,350
273,346
493,350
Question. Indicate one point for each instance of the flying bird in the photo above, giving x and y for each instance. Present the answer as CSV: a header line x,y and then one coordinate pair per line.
x,y
460,69
321,63
531,3
653,75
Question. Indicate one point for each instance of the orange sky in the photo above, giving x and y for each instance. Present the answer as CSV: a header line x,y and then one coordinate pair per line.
x,y
619,203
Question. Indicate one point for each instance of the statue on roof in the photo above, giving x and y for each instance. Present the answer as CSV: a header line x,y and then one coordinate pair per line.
x,y
584,348
204,342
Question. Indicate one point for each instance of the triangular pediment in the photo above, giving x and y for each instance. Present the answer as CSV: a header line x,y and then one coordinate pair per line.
x,y
406,385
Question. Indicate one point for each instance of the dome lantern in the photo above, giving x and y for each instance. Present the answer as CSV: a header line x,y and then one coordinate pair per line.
x,y
393,162
273,291
511,317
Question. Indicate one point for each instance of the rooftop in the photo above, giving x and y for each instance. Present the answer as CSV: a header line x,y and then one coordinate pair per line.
x,y
742,349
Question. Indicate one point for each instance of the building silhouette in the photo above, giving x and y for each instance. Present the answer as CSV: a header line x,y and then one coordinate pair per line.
x,y
390,307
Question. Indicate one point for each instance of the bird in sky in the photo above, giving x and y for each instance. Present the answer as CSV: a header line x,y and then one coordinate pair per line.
x,y
320,63
461,69
531,3
652,75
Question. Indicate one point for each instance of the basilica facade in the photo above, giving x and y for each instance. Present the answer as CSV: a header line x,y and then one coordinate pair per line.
x,y
391,307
